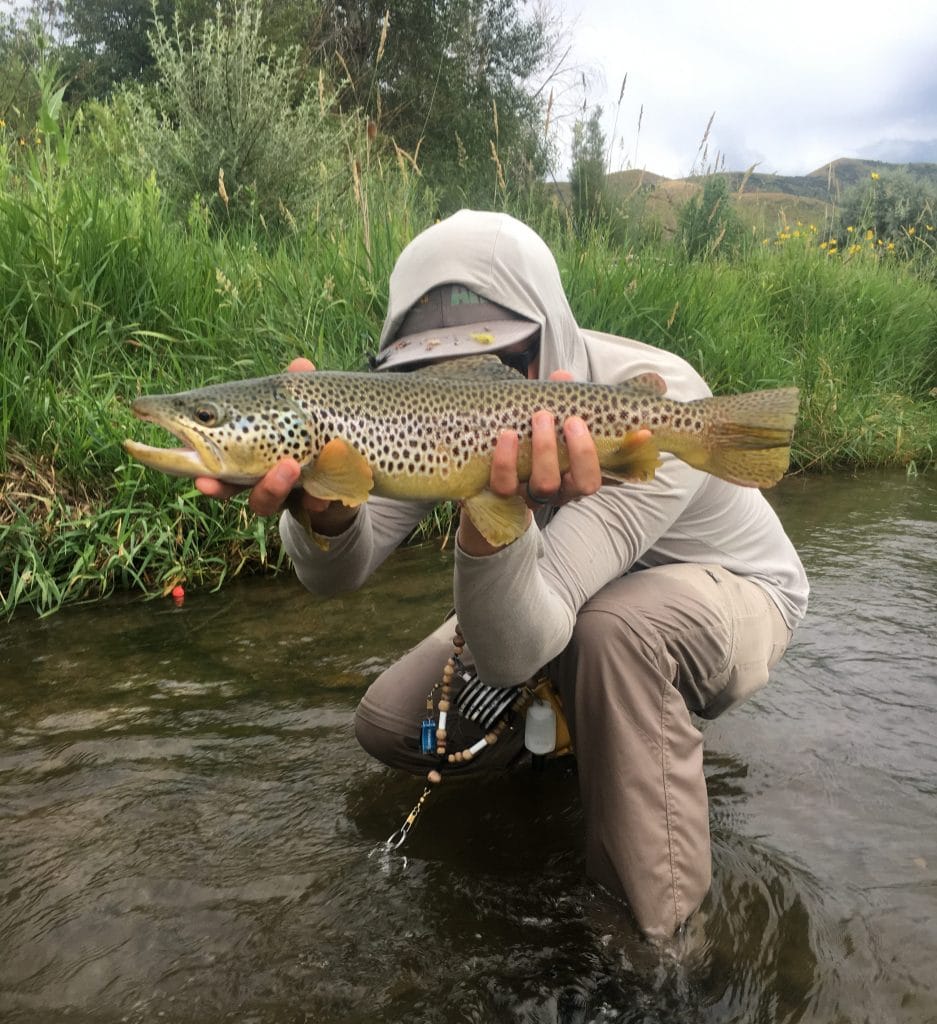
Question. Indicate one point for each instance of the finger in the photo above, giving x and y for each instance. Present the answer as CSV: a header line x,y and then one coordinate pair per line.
x,y
299,501
272,490
544,456
213,488
561,375
314,505
503,478
585,473
300,365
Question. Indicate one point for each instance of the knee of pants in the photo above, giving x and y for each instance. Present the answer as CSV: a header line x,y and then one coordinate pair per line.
x,y
385,732
600,631
591,628
387,721
373,739
611,659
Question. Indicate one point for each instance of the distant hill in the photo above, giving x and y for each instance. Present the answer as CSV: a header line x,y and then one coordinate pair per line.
x,y
764,201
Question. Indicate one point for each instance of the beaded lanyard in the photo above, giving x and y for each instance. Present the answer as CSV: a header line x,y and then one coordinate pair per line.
x,y
490,706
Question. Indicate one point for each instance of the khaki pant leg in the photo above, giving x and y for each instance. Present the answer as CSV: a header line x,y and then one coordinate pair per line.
x,y
645,650
387,722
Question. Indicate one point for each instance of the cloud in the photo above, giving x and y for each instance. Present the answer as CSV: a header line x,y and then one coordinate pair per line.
x,y
901,151
792,87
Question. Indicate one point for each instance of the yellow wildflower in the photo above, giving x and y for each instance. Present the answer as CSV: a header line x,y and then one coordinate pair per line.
x,y
850,229
911,231
869,235
875,175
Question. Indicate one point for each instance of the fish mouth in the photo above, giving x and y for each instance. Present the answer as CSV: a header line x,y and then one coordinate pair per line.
x,y
197,456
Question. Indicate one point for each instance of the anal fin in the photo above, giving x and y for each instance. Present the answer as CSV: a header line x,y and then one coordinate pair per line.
x,y
499,520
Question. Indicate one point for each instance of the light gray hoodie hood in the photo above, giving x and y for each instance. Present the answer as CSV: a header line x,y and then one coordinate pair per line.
x,y
502,260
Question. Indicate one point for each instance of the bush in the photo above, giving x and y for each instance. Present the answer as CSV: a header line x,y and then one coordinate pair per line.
x,y
707,223
587,174
894,206
225,124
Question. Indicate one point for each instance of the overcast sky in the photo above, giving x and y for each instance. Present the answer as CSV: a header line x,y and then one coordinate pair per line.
x,y
792,84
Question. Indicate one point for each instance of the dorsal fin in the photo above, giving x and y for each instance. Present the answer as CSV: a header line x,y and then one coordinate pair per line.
x,y
484,367
645,384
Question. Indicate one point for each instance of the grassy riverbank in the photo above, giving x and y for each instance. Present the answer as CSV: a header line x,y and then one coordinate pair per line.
x,y
106,294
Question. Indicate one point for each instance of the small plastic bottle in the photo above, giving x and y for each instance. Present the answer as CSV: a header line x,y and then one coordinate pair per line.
x,y
540,728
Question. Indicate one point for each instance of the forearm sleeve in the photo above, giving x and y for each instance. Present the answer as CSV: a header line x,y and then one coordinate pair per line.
x,y
350,558
517,607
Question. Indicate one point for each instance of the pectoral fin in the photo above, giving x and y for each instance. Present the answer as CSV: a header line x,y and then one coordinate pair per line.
x,y
499,520
339,473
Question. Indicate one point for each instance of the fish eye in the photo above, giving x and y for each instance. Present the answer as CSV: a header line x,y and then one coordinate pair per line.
x,y
207,415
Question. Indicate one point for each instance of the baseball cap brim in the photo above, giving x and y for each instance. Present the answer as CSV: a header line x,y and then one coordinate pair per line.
x,y
455,322
452,342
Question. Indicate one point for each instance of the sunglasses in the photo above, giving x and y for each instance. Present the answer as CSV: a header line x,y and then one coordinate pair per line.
x,y
521,361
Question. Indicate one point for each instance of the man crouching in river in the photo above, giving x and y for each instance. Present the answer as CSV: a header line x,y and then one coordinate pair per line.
x,y
641,602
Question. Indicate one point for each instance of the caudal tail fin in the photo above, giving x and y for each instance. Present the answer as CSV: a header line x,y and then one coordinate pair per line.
x,y
746,439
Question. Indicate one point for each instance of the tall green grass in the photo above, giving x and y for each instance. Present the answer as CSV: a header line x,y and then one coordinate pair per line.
x,y
858,335
104,295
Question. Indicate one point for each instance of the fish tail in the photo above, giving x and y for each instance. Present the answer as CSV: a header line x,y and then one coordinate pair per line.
x,y
745,439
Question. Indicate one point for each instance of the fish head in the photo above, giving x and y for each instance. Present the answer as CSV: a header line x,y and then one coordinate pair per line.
x,y
232,432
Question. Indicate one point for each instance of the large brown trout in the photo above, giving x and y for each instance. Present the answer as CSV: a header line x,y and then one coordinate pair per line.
x,y
430,434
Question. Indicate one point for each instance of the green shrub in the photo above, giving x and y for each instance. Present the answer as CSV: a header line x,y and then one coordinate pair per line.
x,y
228,124
707,224
895,206
587,174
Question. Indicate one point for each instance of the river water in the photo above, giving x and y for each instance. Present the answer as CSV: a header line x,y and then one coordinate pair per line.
x,y
189,832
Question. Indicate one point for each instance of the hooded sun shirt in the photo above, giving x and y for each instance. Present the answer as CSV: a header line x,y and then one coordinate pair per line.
x,y
518,606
